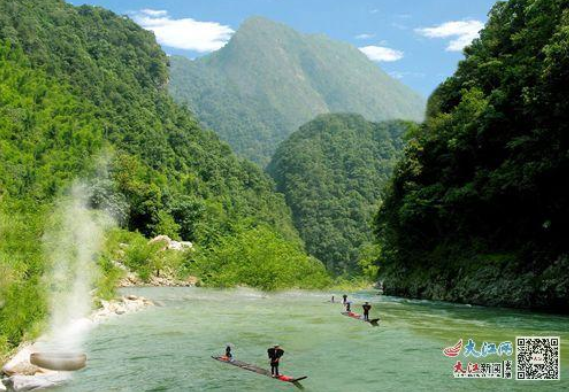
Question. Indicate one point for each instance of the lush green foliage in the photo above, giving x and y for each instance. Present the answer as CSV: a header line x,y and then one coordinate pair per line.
x,y
332,171
163,162
46,133
269,79
480,201
22,305
46,136
258,257
82,94
144,257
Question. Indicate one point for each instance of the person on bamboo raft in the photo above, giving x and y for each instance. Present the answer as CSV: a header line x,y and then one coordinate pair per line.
x,y
366,308
275,354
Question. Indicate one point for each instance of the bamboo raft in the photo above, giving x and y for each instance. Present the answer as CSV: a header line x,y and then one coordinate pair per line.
x,y
260,370
373,322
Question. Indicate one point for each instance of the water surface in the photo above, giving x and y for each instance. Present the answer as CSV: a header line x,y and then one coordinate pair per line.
x,y
169,348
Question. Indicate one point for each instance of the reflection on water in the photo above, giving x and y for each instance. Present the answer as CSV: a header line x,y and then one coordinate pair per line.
x,y
169,348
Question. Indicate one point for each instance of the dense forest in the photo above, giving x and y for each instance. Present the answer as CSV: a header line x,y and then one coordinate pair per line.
x,y
83,96
477,210
332,171
270,79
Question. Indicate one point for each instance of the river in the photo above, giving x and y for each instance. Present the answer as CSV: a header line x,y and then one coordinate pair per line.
x,y
169,348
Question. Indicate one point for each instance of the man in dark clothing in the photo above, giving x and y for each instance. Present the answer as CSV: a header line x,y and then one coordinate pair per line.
x,y
345,297
228,352
348,306
367,308
275,355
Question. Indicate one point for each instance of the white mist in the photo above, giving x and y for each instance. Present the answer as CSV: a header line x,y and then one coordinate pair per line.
x,y
72,244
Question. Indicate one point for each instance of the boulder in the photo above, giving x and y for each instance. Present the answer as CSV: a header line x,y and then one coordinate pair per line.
x,y
20,383
180,245
20,363
172,244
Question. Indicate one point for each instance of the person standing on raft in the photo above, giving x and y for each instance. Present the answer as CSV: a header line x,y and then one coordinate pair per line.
x,y
275,353
228,354
366,308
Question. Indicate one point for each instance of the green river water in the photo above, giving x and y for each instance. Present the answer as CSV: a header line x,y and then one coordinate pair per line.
x,y
169,347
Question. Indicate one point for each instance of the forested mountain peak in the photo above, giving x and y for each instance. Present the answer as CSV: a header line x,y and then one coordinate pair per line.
x,y
270,79
258,23
332,172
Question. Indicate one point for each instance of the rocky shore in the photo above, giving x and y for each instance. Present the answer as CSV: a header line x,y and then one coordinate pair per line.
x,y
166,278
131,279
19,374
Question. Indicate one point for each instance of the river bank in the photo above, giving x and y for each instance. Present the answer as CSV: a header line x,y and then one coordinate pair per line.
x,y
21,375
485,282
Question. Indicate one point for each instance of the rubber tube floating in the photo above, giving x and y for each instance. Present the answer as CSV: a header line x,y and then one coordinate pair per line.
x,y
59,361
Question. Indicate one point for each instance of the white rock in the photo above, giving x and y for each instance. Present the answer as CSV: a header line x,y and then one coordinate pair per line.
x,y
161,238
180,245
187,244
20,363
172,244
20,383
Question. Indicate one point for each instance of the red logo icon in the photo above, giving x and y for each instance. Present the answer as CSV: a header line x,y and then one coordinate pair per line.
x,y
454,350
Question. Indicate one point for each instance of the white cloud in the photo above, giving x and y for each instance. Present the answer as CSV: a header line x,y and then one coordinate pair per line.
x,y
185,33
153,13
381,53
462,33
399,26
404,74
397,74
365,36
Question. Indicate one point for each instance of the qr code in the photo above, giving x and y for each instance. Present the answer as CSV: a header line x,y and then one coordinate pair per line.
x,y
537,358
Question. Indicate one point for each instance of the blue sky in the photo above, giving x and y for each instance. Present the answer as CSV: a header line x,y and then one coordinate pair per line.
x,y
417,41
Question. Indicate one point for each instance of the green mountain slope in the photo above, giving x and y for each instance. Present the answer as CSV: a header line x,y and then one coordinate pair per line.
x,y
332,171
81,83
269,79
478,209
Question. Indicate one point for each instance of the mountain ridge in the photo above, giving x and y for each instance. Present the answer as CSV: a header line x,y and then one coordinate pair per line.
x,y
332,172
270,79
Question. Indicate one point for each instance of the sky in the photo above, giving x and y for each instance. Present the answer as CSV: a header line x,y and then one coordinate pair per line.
x,y
419,42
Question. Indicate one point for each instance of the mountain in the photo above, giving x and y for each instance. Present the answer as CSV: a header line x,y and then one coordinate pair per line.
x,y
332,171
270,79
83,96
478,209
